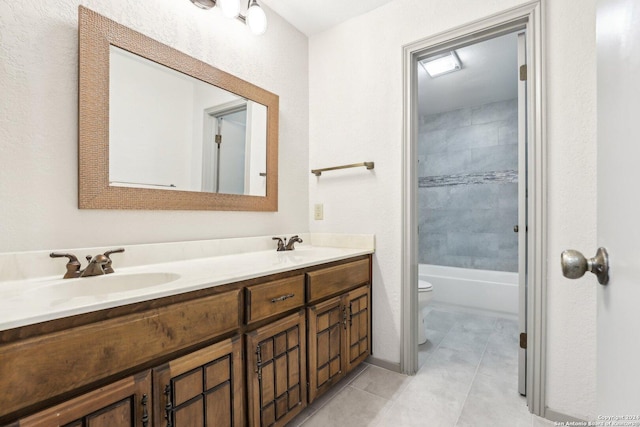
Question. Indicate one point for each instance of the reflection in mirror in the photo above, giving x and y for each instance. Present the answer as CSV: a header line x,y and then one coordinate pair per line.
x,y
170,131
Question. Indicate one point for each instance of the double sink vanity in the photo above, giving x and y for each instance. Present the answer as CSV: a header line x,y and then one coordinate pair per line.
x,y
221,338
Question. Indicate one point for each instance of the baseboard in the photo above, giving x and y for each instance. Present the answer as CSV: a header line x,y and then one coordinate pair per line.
x,y
552,415
391,366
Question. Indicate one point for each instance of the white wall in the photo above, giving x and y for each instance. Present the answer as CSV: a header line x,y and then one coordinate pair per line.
x,y
150,130
355,94
38,122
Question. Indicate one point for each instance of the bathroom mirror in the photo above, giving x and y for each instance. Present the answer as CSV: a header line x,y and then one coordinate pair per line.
x,y
159,129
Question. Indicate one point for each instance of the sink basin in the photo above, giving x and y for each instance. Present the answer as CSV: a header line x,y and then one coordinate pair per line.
x,y
101,286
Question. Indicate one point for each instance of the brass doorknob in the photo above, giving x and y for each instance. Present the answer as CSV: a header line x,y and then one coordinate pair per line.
x,y
574,265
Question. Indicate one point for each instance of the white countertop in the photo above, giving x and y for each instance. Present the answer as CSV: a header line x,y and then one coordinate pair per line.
x,y
34,300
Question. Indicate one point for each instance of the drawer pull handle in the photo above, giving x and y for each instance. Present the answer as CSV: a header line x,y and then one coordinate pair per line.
x,y
282,298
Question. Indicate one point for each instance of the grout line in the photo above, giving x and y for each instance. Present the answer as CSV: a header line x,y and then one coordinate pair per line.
x,y
340,388
475,375
388,401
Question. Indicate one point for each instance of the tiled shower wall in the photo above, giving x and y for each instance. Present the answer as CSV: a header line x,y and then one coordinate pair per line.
x,y
468,187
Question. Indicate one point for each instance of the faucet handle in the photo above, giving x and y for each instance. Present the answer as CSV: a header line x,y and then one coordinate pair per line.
x,y
113,251
73,266
107,267
280,243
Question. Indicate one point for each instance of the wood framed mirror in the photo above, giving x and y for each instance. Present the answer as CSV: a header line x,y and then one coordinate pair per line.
x,y
151,122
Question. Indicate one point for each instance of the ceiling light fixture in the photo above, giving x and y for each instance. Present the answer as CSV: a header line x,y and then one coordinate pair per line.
x,y
255,18
442,65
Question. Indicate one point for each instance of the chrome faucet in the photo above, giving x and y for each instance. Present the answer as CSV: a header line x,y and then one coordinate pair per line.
x,y
98,265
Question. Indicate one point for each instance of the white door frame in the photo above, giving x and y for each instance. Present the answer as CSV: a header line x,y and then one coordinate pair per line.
x,y
527,16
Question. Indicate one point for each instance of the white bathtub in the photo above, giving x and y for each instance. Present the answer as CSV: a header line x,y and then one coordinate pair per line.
x,y
480,289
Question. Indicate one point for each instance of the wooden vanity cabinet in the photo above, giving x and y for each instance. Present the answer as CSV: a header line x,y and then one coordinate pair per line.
x,y
203,388
339,338
190,360
125,403
339,328
276,371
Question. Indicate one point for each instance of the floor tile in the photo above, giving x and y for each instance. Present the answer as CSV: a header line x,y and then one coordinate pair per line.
x,y
500,358
468,341
440,320
495,402
447,369
428,400
381,382
353,407
507,326
475,323
337,388
429,347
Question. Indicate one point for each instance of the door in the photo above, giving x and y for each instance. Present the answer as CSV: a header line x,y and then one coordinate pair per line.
x,y
358,332
203,388
618,52
522,227
326,355
276,371
224,149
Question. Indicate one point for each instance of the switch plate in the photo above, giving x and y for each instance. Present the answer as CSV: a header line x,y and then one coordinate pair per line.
x,y
318,211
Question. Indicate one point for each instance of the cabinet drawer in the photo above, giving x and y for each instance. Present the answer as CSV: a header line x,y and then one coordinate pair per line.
x,y
268,299
335,280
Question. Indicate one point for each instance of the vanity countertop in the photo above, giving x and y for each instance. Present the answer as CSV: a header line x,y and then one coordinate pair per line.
x,y
34,300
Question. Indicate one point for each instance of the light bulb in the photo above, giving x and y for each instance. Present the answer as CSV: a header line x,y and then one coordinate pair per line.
x,y
230,8
256,19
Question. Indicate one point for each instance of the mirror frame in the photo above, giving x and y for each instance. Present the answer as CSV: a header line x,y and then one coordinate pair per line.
x,y
96,33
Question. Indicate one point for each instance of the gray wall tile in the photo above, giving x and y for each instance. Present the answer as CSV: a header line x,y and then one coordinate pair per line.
x,y
448,120
496,111
468,205
496,158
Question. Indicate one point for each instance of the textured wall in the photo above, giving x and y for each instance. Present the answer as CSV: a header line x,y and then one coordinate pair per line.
x,y
468,188
356,114
38,122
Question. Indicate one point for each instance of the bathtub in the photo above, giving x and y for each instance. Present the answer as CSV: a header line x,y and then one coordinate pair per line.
x,y
479,289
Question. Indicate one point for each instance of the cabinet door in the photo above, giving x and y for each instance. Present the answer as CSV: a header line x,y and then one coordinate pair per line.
x,y
203,388
125,403
326,323
358,303
276,371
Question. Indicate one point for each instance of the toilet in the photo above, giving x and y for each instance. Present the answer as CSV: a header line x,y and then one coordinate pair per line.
x,y
425,292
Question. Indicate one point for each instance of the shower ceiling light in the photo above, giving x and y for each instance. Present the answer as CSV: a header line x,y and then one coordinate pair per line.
x,y
255,18
442,65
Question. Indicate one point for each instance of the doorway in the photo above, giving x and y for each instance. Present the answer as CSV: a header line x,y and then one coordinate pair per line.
x,y
471,133
224,148
522,23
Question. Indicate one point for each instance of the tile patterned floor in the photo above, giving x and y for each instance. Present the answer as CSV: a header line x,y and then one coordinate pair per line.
x,y
468,377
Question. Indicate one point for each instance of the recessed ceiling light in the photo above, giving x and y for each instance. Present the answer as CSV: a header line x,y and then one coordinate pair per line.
x,y
442,65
